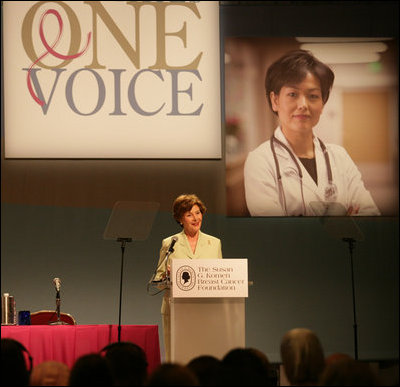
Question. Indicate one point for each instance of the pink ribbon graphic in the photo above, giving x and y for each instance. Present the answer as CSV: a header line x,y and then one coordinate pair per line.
x,y
50,50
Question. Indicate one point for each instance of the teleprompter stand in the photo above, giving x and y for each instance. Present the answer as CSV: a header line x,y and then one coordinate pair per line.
x,y
351,242
345,229
129,221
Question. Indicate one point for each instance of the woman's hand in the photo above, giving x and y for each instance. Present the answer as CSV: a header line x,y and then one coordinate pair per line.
x,y
167,273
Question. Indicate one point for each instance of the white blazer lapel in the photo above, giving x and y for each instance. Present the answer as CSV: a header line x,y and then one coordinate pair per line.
x,y
201,242
185,246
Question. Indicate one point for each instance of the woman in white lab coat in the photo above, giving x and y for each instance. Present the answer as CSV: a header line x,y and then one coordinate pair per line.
x,y
295,173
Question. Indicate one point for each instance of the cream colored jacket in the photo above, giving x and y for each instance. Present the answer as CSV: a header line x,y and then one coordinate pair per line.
x,y
208,247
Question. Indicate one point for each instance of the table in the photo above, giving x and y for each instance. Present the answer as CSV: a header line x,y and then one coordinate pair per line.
x,y
66,343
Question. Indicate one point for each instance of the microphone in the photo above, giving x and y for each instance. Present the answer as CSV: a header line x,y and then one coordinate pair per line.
x,y
171,246
57,284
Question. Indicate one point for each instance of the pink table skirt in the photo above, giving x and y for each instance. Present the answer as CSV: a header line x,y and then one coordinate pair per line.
x,y
66,343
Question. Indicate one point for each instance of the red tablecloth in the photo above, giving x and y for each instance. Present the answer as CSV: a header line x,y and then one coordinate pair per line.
x,y
66,343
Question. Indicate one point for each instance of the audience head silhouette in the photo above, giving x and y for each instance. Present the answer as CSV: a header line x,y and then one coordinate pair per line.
x,y
172,374
91,370
348,372
247,367
50,373
208,370
128,363
337,356
14,368
302,356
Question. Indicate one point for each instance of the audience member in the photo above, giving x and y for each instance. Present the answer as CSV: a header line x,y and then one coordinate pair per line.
x,y
247,367
91,370
348,372
14,368
337,356
302,356
125,364
50,373
128,363
208,369
272,374
172,374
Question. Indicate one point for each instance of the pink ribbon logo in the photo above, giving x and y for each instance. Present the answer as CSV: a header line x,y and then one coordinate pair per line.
x,y
50,50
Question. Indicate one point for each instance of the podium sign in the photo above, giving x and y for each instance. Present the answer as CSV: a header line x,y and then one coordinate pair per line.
x,y
191,278
207,307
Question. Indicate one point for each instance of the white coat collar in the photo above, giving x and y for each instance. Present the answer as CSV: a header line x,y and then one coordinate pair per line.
x,y
319,159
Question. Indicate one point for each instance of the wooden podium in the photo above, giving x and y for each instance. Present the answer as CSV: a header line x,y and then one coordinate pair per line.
x,y
207,307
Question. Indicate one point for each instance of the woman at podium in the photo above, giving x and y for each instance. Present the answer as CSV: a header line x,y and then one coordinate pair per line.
x,y
190,243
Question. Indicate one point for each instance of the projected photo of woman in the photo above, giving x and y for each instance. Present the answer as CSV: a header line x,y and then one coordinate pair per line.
x,y
294,170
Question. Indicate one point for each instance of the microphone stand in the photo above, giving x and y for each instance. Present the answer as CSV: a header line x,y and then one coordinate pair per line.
x,y
123,243
161,284
58,304
166,260
351,242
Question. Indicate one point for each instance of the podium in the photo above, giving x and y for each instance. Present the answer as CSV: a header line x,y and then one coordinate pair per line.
x,y
207,303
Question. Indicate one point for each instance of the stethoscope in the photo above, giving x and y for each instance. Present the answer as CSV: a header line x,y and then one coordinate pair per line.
x,y
330,189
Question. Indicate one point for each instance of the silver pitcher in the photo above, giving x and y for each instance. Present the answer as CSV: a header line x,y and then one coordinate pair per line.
x,y
8,310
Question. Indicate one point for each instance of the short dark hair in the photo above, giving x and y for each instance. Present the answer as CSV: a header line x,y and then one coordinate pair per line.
x,y
91,369
184,203
292,68
128,362
172,374
15,371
